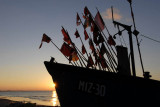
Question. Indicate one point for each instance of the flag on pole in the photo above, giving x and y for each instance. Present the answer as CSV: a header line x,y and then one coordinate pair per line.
x,y
90,62
77,34
86,34
74,56
111,41
91,46
100,39
102,61
95,38
99,21
66,49
103,49
87,22
83,49
86,11
66,36
78,22
45,38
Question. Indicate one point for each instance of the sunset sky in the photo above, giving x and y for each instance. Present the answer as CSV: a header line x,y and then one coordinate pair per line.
x,y
23,22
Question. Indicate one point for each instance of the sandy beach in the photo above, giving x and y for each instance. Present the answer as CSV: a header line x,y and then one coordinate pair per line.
x,y
9,103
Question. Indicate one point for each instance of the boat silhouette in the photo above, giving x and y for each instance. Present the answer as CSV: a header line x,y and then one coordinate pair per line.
x,y
110,78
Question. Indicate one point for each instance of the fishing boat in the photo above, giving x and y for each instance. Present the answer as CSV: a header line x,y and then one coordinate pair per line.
x,y
109,79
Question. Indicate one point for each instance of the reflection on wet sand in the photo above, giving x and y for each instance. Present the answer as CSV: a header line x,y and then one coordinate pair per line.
x,y
54,100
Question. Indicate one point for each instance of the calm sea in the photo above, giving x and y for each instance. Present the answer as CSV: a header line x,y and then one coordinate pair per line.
x,y
48,98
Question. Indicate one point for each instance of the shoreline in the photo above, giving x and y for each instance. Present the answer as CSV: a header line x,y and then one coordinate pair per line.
x,y
10,103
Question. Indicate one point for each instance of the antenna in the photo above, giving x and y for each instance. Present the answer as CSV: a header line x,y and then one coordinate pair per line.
x,y
112,13
135,32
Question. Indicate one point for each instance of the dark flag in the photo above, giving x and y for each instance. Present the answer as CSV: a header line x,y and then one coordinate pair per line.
x,y
100,39
78,22
90,62
99,21
66,36
95,34
103,49
87,22
91,46
86,11
86,34
76,34
83,49
92,27
111,41
66,49
102,61
45,38
74,56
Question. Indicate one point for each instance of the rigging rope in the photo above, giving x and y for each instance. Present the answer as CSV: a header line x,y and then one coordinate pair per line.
x,y
150,38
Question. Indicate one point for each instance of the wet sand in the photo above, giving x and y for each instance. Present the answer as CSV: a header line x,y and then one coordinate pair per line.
x,y
9,103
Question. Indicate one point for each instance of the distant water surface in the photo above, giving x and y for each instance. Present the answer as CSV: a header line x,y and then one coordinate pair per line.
x,y
48,98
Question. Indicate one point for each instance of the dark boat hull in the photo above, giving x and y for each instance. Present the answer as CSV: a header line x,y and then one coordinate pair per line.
x,y
82,87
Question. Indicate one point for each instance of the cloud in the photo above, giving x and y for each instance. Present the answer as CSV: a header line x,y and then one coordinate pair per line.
x,y
108,14
128,19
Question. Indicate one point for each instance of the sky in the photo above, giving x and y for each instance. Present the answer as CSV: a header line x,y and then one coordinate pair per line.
x,y
23,22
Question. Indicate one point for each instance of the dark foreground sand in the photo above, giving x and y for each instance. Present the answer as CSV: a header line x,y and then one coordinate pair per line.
x,y
9,103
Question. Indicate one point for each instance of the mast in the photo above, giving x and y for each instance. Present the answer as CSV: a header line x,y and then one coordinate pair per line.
x,y
135,32
132,51
128,28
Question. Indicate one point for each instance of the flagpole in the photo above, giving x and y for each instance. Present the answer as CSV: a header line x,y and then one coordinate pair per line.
x,y
103,35
103,32
84,46
80,58
110,61
80,36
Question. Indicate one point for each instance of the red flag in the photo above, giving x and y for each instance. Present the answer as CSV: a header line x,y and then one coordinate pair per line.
x,y
74,56
78,22
45,38
95,40
83,49
86,35
91,46
100,39
76,34
90,62
66,36
66,49
111,41
99,21
102,61
87,22
96,58
95,34
86,11
92,27
103,49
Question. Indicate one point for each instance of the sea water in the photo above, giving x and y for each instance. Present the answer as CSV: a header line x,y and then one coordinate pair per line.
x,y
48,98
